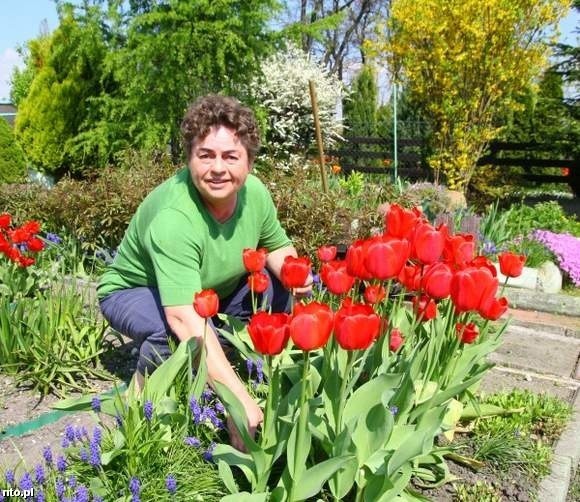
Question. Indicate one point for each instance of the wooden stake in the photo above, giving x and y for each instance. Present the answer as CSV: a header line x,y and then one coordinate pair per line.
x,y
318,136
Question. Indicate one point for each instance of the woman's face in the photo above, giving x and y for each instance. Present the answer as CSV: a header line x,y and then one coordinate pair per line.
x,y
219,166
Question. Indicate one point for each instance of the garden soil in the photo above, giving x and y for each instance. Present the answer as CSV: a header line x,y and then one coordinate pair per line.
x,y
19,404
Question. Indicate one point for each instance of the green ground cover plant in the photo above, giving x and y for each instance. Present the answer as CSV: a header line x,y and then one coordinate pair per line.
x,y
522,436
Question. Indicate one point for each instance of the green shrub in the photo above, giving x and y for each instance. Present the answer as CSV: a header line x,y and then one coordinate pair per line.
x,y
312,218
433,199
542,216
12,162
95,210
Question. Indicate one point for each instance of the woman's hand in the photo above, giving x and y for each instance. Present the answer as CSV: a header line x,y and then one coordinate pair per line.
x,y
255,417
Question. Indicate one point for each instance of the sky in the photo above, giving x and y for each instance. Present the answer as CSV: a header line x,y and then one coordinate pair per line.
x,y
22,20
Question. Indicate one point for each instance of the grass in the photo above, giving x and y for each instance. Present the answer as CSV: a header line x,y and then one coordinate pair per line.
x,y
522,440
478,492
574,490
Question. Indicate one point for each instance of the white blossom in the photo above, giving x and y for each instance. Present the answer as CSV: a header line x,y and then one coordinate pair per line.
x,y
283,92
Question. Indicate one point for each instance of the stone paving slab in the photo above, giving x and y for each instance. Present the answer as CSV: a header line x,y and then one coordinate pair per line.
x,y
501,379
555,303
554,487
546,321
539,352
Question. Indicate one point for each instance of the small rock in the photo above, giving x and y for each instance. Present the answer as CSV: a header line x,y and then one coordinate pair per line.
x,y
527,378
549,277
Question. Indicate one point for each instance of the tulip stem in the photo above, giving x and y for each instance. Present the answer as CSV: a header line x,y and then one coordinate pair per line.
x,y
268,411
349,363
302,424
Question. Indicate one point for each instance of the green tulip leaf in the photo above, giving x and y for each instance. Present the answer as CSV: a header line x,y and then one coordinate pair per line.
x,y
240,338
245,497
297,454
368,395
487,410
108,456
372,432
311,481
238,414
424,390
232,457
343,480
160,381
442,396
383,488
227,476
412,447
118,439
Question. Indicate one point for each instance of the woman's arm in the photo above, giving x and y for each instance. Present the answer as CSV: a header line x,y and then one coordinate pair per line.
x,y
186,324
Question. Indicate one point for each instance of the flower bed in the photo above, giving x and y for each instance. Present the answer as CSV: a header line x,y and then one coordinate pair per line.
x,y
356,384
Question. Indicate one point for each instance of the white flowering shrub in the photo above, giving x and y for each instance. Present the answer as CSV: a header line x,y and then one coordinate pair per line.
x,y
283,93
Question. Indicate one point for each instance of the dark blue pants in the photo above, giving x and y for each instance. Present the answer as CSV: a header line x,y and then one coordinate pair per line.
x,y
138,314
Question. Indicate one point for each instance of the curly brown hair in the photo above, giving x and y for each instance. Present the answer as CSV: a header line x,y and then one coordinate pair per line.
x,y
214,110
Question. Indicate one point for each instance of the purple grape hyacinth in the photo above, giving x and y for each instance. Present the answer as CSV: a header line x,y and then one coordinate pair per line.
x,y
26,482
9,476
47,454
148,410
81,494
192,441
39,474
196,410
59,487
96,404
171,484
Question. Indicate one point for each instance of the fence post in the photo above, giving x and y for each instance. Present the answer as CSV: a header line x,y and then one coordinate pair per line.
x,y
318,135
395,157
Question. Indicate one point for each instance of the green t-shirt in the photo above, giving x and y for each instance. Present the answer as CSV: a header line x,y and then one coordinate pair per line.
x,y
174,244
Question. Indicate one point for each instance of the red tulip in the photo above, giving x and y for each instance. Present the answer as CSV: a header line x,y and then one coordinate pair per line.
x,y
35,244
254,259
258,282
4,244
493,308
295,271
410,277
13,254
396,340
19,235
400,222
437,280
471,287
206,303
326,253
510,264
467,333
356,325
25,261
32,227
334,275
311,325
374,294
269,332
385,257
355,260
5,221
427,243
459,249
483,262
425,308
